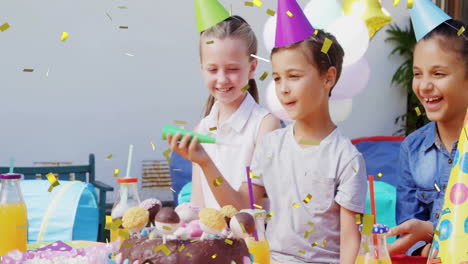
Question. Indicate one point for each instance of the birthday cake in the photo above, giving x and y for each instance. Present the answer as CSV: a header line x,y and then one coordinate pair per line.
x,y
186,235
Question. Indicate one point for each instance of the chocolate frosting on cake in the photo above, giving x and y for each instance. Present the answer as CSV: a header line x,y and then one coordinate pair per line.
x,y
200,251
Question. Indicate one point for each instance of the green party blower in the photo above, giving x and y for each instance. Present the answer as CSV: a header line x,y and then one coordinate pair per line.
x,y
172,130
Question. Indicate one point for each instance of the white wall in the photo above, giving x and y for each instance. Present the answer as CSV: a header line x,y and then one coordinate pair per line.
x,y
96,99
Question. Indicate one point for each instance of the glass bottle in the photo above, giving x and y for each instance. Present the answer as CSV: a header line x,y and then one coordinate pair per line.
x,y
373,249
260,249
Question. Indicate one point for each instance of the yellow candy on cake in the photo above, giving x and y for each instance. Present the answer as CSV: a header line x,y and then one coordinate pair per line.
x,y
211,221
229,211
135,218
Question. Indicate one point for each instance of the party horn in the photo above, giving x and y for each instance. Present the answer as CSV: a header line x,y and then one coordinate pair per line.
x,y
172,130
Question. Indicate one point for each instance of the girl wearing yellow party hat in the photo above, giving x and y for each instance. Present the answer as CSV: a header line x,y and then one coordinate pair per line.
x,y
440,70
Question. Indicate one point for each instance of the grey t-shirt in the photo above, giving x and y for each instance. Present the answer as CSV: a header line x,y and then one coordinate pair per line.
x,y
333,173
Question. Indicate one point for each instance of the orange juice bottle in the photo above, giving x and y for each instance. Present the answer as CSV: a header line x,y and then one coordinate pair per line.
x,y
126,198
373,248
13,217
258,247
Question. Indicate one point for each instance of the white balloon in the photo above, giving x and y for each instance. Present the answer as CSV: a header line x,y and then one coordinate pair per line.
x,y
321,13
353,35
340,109
353,80
274,104
269,33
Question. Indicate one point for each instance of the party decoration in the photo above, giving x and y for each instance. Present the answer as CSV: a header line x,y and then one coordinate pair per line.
x,y
322,13
370,11
426,16
290,30
4,27
348,85
269,33
209,13
352,34
340,109
451,234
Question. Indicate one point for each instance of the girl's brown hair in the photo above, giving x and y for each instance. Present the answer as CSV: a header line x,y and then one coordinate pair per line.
x,y
323,61
234,27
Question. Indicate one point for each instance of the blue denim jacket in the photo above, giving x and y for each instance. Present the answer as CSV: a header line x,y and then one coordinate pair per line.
x,y
424,163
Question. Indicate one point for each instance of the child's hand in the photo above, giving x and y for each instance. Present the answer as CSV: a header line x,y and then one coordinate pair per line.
x,y
192,150
411,231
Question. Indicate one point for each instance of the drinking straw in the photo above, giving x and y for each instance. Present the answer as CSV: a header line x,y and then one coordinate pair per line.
x,y
373,211
129,162
12,164
249,183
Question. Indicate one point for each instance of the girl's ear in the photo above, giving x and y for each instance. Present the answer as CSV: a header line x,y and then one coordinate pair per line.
x,y
253,67
330,78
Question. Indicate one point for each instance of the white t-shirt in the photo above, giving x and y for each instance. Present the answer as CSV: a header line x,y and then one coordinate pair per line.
x,y
334,174
240,131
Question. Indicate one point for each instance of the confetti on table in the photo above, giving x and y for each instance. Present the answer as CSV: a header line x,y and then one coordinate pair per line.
x,y
315,32
64,36
189,255
53,181
257,3
368,223
245,88
295,205
418,112
365,246
163,248
270,12
461,30
124,233
123,27
218,181
108,225
122,7
153,146
259,58
116,172
326,45
258,206
358,219
309,142
166,155
210,42
410,4
314,244
396,2
289,13
4,27
437,187
324,243
301,251
307,199
248,3
213,128
379,175
263,77
228,241
214,256
28,70
181,248
179,122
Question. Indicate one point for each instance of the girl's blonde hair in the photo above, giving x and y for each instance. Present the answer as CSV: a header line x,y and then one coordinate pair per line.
x,y
234,27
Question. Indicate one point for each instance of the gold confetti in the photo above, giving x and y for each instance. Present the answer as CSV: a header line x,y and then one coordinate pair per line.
x,y
270,12
124,233
410,4
130,55
166,155
315,32
418,112
127,245
437,232
269,216
289,13
307,199
214,256
365,246
194,240
123,27
109,157
181,248
461,30
116,224
179,122
153,146
368,223
263,77
379,175
122,7
167,228
218,181
64,36
324,243
358,219
213,128
4,27
301,251
437,187
258,206
326,45
309,142
227,241
28,70
53,181
245,88
259,58
189,255
243,228
210,42
257,3
295,205
314,244
108,222
306,234
396,2
310,223
248,3
116,172
163,248
355,171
